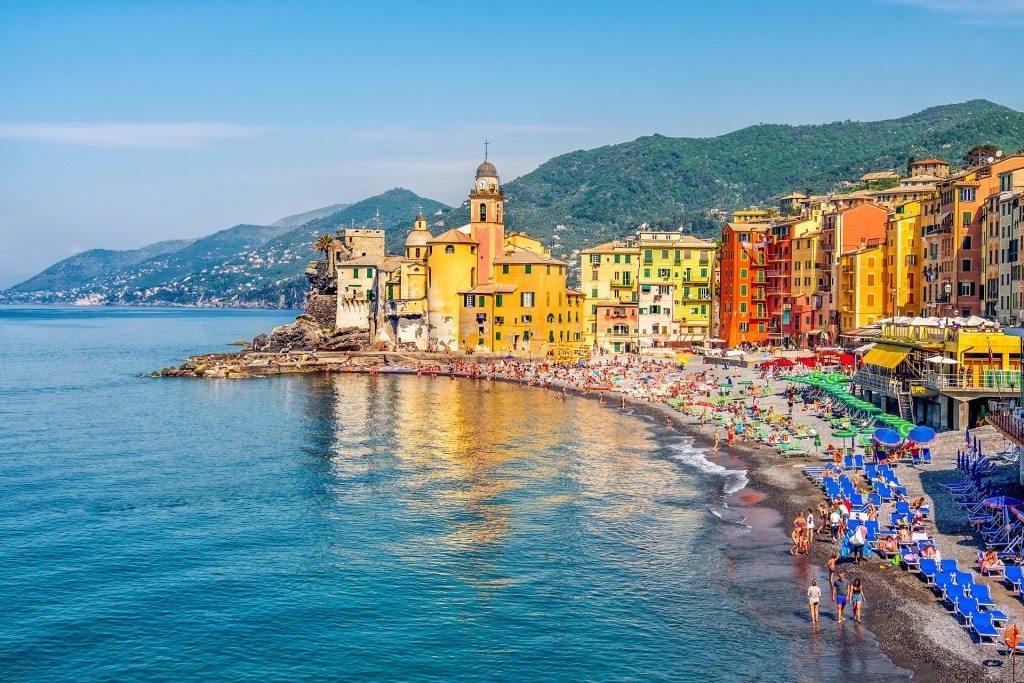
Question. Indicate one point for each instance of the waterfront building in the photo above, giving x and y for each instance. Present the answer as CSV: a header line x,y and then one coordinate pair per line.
x,y
902,259
853,223
610,272
1002,218
674,288
743,308
938,373
861,290
807,318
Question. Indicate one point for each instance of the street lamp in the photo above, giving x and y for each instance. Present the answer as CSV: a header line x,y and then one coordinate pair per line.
x,y
895,310
948,289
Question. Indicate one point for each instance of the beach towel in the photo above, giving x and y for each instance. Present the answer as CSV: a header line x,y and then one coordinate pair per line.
x,y
846,548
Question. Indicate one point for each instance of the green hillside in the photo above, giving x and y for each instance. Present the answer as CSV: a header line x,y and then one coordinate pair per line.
x,y
600,194
247,265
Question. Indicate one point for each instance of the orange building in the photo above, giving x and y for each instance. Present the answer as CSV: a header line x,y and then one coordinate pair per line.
x,y
744,269
842,231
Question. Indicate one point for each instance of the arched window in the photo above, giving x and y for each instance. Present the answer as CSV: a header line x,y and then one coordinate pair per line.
x,y
449,249
417,252
551,317
483,211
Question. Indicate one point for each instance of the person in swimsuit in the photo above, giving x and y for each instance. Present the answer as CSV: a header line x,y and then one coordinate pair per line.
x,y
814,600
856,596
831,564
840,594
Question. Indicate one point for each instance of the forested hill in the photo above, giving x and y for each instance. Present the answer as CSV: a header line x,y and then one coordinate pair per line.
x,y
247,265
600,194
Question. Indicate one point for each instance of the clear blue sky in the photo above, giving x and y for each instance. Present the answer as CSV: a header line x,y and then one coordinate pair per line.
x,y
125,123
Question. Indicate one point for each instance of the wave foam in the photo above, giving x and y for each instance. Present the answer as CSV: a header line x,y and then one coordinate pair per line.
x,y
734,479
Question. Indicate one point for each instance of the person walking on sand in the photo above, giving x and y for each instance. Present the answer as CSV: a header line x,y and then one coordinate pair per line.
x,y
814,599
714,448
856,597
840,594
831,564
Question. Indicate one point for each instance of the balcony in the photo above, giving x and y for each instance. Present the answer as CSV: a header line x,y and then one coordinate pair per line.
x,y
625,284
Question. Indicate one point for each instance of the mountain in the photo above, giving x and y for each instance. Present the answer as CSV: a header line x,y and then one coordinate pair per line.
x,y
570,202
242,266
588,197
307,216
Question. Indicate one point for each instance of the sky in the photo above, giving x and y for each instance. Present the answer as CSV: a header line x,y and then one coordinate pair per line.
x,y
126,123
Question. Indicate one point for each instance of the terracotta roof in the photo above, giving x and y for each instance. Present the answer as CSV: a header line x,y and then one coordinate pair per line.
x,y
526,256
929,162
455,235
362,261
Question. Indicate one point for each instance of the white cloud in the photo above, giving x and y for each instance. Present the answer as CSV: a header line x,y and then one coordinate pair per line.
x,y
146,135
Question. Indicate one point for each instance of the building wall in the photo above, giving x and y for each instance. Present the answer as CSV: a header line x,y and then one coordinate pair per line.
x,y
447,275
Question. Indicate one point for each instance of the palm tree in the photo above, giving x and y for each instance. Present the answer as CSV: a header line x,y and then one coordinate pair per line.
x,y
324,243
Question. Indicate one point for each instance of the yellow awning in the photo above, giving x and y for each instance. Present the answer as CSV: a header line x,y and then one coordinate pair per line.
x,y
886,355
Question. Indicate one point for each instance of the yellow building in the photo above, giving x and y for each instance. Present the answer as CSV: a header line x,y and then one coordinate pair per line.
x,y
861,290
609,276
452,261
674,295
527,309
903,260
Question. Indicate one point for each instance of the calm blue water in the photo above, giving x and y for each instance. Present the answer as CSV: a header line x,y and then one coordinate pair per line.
x,y
354,528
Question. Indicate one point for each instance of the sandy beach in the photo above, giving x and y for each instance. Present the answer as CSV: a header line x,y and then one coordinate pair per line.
x,y
913,627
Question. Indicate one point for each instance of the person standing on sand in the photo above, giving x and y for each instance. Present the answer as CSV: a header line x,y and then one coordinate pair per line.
x,y
856,596
840,594
814,600
831,564
714,448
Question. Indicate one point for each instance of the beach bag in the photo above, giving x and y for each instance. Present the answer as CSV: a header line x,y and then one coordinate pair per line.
x,y
858,537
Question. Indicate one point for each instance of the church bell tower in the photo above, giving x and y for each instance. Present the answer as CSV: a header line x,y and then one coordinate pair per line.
x,y
487,225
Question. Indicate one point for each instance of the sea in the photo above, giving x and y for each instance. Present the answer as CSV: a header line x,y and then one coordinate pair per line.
x,y
370,528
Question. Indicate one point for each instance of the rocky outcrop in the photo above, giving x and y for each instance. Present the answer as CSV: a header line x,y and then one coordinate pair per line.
x,y
323,308
308,334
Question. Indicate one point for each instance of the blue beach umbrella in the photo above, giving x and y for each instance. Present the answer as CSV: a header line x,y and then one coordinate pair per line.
x,y
887,437
921,435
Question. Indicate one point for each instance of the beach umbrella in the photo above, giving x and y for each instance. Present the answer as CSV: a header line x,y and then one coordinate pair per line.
x,y
845,434
921,435
904,429
887,437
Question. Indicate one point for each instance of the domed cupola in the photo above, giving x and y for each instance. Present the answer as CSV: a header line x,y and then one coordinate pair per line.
x,y
416,242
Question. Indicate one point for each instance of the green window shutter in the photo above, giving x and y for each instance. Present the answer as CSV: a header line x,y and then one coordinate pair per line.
x,y
529,269
504,269
498,300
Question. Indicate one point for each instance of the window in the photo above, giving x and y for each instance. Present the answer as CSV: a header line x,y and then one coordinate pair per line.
x,y
498,300
743,290
504,270
664,253
480,302
526,299
595,258
628,257
468,301
647,272
497,336
743,273
499,320
871,281
527,319
744,327
743,307
663,272
967,194
617,258
483,211
967,217
449,249
528,269
966,265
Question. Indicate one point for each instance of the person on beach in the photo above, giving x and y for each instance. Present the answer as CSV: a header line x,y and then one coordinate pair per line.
x,y
856,597
714,448
809,525
831,564
814,599
835,520
840,591
857,541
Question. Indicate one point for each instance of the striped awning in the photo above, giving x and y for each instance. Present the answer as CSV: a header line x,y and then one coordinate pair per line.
x,y
886,355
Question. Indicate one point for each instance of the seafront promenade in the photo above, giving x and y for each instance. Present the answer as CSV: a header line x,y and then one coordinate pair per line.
x,y
707,398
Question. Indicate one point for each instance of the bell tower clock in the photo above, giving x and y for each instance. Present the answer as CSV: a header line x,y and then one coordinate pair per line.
x,y
487,226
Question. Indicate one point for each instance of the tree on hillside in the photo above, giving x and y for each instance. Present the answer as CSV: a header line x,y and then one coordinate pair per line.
x,y
323,244
979,154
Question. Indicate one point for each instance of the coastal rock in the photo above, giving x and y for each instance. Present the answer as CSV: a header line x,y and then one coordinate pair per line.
x,y
308,334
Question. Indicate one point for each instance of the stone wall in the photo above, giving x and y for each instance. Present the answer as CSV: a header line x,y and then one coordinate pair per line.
x,y
324,309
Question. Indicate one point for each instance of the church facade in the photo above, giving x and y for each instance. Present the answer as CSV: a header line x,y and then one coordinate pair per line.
x,y
472,288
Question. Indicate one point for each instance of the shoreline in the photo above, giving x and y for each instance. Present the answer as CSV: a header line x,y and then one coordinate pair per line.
x,y
903,615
